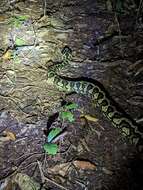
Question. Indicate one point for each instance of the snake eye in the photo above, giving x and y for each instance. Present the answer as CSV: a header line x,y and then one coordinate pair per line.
x,y
66,50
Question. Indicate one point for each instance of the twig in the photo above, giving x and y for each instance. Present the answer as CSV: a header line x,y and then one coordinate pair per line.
x,y
53,182
47,179
116,19
139,120
140,8
45,7
41,172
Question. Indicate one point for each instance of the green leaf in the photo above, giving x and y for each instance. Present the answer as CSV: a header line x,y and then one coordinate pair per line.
x,y
22,17
19,42
53,133
66,115
14,22
17,24
71,106
17,21
50,149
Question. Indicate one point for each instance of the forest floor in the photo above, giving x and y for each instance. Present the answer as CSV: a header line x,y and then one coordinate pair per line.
x,y
107,45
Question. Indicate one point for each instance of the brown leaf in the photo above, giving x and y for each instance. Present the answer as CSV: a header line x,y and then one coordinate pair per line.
x,y
61,169
109,5
10,135
2,18
106,171
84,165
6,185
89,118
9,186
7,55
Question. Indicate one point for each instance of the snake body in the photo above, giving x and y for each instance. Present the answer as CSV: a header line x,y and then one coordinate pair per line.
x,y
127,126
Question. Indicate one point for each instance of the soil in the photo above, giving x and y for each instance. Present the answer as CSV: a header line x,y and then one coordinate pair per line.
x,y
107,43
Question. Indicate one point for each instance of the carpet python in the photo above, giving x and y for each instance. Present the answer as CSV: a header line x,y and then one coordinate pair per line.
x,y
126,125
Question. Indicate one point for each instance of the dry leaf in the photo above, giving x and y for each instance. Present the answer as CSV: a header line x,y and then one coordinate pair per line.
x,y
7,55
84,165
106,171
109,5
3,184
25,182
3,139
89,118
9,185
2,18
61,169
10,135
84,144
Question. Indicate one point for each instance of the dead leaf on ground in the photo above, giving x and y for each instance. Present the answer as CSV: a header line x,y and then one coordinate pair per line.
x,y
61,169
109,5
84,165
3,139
6,185
84,144
106,171
89,117
25,182
2,18
7,55
10,135
136,68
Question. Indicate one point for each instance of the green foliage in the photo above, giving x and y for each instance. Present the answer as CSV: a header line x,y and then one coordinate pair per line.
x,y
67,115
16,21
50,149
22,17
19,42
71,106
53,133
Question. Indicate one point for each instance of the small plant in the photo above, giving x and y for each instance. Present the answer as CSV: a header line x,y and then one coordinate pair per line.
x,y
19,42
49,147
66,114
17,21
55,133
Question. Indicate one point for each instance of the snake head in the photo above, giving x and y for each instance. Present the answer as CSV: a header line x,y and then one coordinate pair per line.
x,y
67,52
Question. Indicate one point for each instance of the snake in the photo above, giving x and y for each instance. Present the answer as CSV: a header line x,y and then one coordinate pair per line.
x,y
98,94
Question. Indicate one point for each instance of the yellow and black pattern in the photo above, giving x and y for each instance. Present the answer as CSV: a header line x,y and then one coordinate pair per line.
x,y
119,119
